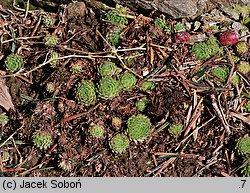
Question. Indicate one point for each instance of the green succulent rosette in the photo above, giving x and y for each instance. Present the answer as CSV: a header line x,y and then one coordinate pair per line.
x,y
51,40
175,129
141,104
85,93
114,35
42,139
244,67
139,127
107,69
147,85
109,88
114,15
243,146
119,143
97,131
13,62
128,81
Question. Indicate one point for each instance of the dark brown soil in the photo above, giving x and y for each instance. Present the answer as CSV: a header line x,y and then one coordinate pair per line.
x,y
211,152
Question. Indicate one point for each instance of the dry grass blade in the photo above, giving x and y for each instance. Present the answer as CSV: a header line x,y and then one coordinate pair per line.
x,y
196,115
241,117
171,160
5,98
220,114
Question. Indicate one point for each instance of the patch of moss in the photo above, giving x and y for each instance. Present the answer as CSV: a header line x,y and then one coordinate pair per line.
x,y
221,73
207,49
115,15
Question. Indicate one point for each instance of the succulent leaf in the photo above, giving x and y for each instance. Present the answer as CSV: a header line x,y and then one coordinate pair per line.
x,y
175,129
51,40
147,85
141,104
113,36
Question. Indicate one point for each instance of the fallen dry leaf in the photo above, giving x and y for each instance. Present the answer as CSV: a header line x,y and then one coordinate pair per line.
x,y
5,98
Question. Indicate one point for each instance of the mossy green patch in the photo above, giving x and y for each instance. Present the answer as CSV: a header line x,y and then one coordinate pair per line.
x,y
206,50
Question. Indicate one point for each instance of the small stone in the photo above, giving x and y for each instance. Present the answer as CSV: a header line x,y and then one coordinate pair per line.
x,y
77,9
237,26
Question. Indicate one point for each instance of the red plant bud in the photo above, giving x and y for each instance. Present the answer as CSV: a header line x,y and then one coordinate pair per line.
x,y
228,38
181,37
